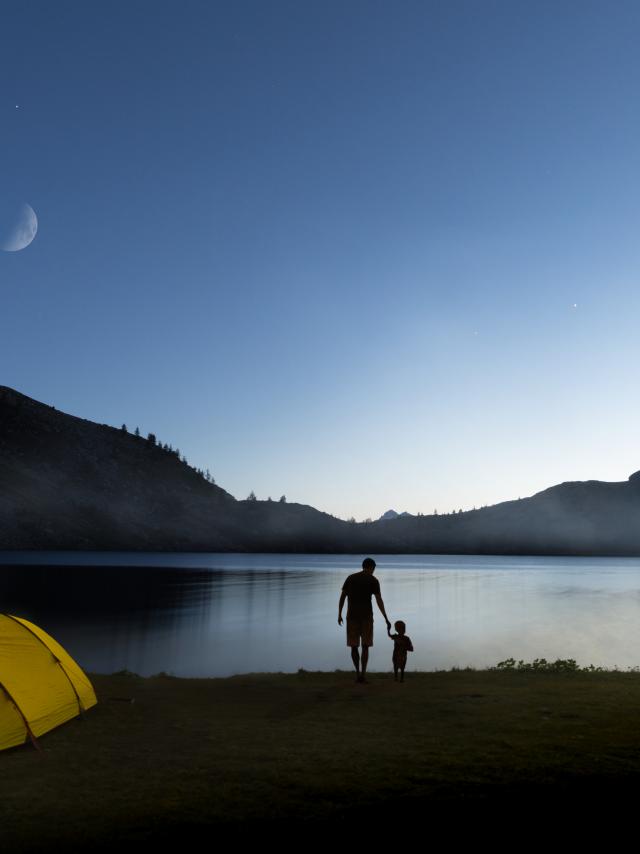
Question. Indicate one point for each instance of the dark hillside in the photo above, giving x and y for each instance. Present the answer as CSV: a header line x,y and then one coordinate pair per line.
x,y
66,482
582,518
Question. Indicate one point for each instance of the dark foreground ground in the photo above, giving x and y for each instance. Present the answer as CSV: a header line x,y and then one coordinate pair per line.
x,y
297,757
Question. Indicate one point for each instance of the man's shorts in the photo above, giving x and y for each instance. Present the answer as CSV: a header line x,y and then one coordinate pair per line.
x,y
360,631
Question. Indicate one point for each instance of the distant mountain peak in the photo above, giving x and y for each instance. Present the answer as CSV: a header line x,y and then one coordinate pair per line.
x,y
391,514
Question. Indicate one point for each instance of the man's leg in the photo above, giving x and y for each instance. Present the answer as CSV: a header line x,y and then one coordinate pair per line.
x,y
365,660
353,640
367,641
355,657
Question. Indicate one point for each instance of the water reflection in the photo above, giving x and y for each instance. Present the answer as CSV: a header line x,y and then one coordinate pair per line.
x,y
209,615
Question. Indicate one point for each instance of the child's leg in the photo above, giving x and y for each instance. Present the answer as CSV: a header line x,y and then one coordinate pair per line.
x,y
395,671
402,672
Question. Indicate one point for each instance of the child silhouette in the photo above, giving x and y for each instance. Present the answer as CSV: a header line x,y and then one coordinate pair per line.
x,y
401,646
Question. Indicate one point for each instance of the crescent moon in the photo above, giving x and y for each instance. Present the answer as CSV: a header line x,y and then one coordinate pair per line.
x,y
20,235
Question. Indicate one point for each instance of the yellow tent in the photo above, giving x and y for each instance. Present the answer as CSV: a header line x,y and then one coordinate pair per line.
x,y
41,686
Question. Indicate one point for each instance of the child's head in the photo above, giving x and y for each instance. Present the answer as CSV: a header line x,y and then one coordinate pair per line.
x,y
400,627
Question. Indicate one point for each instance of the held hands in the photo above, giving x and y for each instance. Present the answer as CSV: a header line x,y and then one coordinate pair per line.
x,y
339,619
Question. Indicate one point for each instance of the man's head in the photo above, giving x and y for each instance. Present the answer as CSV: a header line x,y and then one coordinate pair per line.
x,y
368,564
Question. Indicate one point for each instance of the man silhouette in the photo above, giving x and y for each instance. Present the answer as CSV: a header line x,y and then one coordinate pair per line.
x,y
359,588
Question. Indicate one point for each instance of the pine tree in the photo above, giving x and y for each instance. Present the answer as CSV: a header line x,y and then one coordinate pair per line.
x,y
124,428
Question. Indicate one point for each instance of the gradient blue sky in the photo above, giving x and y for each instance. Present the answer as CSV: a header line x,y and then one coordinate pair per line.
x,y
333,249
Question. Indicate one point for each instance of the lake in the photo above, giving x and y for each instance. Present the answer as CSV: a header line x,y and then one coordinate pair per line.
x,y
220,614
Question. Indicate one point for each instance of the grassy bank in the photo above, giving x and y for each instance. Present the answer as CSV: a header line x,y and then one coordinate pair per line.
x,y
270,750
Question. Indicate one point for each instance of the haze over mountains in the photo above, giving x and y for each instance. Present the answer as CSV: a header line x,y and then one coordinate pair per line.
x,y
68,483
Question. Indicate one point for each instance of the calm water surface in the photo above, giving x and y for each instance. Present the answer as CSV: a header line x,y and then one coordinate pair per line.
x,y
219,614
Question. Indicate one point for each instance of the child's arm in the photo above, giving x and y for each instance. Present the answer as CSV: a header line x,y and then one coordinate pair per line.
x,y
409,645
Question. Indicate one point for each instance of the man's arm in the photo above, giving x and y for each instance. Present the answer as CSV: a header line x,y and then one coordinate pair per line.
x,y
343,596
382,611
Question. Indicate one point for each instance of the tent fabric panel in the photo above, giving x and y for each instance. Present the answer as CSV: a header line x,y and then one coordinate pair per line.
x,y
12,729
31,675
54,717
73,672
13,644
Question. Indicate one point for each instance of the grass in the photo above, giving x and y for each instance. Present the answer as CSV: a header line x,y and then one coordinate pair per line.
x,y
265,751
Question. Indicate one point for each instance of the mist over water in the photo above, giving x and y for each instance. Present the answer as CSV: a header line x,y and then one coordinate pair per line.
x,y
220,614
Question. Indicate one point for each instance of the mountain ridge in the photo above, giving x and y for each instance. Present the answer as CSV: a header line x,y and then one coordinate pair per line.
x,y
69,483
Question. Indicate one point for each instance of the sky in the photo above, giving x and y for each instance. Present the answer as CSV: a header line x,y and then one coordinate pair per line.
x,y
367,255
